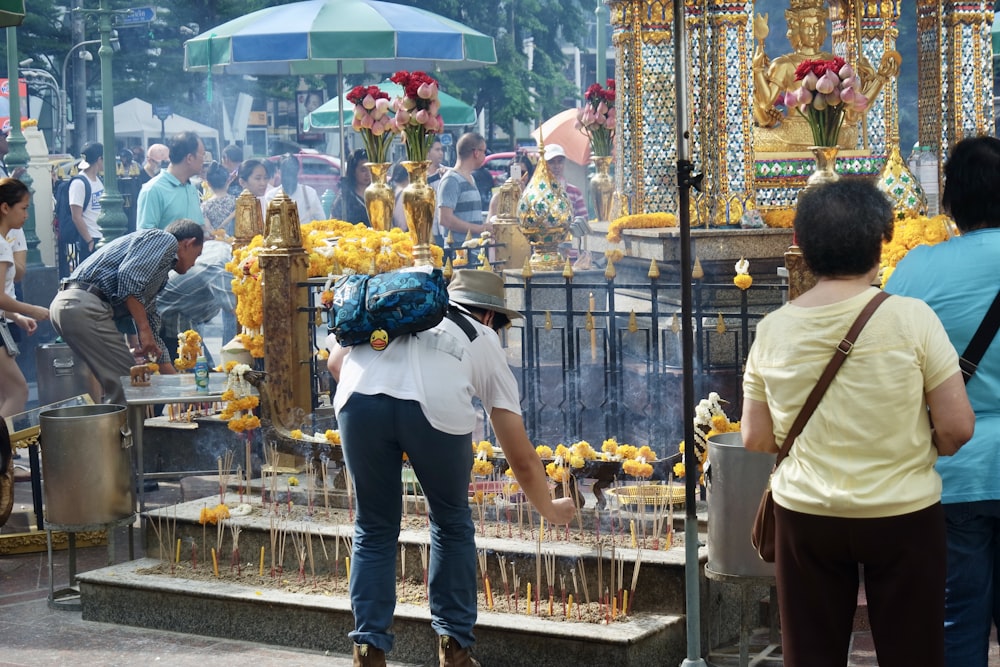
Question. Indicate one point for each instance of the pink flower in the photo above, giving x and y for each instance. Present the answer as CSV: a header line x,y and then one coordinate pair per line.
x,y
846,72
402,117
827,83
382,105
368,102
367,122
421,117
809,81
611,119
819,102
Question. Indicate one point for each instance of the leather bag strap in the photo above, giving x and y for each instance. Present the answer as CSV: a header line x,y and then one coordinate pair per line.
x,y
981,340
843,349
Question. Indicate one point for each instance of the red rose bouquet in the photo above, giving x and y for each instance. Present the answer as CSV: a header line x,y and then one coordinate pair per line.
x,y
597,118
828,89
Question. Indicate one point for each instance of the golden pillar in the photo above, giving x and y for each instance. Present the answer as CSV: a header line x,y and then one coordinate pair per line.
x,y
248,221
955,70
287,351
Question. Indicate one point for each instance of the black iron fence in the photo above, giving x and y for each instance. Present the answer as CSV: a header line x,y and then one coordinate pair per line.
x,y
598,357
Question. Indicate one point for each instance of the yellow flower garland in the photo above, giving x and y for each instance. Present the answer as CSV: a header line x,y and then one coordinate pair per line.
x,y
188,350
240,403
639,221
908,233
782,218
334,246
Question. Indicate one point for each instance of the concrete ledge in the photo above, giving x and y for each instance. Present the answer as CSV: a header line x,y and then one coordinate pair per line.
x,y
117,594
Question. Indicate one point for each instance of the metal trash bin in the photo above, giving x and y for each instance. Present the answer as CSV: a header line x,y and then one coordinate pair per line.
x,y
60,374
86,466
738,480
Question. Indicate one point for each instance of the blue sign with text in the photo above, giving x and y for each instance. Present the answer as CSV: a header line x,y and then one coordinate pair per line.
x,y
137,15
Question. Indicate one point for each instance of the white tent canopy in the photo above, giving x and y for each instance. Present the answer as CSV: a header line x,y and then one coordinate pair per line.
x,y
135,119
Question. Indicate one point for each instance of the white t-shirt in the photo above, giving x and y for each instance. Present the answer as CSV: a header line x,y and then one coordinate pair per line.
x,y
7,257
91,211
305,198
439,368
15,238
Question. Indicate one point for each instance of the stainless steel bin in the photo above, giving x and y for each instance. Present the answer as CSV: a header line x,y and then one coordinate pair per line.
x,y
61,375
739,478
86,465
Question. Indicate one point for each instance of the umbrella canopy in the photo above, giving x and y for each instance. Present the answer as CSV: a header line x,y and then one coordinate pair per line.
x,y
561,129
453,110
315,36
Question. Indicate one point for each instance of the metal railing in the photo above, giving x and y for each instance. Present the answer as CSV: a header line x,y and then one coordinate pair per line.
x,y
601,358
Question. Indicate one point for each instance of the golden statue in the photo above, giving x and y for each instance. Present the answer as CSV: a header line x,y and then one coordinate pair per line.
x,y
806,20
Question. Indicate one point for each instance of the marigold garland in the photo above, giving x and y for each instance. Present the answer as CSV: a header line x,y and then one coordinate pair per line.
x,y
743,279
188,350
334,247
639,221
910,232
780,218
709,420
240,402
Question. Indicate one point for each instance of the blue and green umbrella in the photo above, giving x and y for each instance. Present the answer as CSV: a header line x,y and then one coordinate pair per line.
x,y
327,117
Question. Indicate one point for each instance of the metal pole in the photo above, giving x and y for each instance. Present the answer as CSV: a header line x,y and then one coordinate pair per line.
x,y
63,115
51,83
343,143
112,219
685,179
601,14
18,156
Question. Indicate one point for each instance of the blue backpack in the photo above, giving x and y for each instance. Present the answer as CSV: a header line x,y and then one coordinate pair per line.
x,y
377,309
68,233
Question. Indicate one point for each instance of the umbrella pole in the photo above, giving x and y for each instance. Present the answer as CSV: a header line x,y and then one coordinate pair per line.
x,y
685,180
343,141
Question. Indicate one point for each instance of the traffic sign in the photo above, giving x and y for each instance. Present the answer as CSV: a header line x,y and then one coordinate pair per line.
x,y
445,139
162,111
137,15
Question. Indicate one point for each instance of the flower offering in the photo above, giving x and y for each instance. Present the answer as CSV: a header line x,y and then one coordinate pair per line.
x,y
372,120
418,115
829,89
597,118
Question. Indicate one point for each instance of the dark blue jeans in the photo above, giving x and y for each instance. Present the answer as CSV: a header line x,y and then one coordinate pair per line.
x,y
972,598
376,431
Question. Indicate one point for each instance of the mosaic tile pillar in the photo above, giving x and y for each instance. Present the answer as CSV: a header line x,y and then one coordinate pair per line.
x,y
646,152
955,70
872,24
729,156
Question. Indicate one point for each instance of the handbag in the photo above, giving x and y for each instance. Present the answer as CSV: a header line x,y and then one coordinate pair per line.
x,y
762,532
8,339
969,361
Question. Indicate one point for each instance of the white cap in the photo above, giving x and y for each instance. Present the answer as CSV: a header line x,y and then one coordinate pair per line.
x,y
553,151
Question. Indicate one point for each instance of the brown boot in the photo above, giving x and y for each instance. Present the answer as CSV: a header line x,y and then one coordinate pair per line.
x,y
366,655
450,654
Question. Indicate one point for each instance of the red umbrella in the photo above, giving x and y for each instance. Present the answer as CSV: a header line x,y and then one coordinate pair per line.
x,y
561,129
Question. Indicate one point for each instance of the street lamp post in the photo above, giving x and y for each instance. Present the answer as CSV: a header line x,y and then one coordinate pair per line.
x,y
17,157
64,118
112,219
50,82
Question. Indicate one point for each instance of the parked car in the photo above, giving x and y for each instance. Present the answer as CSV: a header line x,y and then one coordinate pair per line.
x,y
319,171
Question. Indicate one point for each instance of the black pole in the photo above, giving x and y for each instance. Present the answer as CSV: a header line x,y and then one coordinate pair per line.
x,y
686,178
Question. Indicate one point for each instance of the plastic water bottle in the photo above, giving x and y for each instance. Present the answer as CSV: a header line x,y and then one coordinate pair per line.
x,y
929,180
201,375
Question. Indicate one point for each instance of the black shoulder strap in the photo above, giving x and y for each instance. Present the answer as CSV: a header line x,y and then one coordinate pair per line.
x,y
981,340
459,318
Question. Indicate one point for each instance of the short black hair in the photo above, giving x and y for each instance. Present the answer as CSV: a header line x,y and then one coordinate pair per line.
x,y
182,229
972,183
840,226
217,176
183,144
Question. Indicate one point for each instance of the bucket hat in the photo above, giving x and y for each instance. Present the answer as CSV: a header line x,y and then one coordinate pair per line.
x,y
480,289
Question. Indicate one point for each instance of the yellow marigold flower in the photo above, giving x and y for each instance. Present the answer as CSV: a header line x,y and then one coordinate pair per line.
x,y
543,451
153,367
637,469
511,489
646,453
743,280
296,433
628,451
720,423
610,446
562,451
639,221
576,461
485,447
509,472
293,481
584,450
782,218
323,354
477,497
483,468
679,469
333,436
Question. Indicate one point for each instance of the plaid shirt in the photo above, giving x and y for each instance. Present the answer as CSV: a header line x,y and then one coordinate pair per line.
x,y
136,264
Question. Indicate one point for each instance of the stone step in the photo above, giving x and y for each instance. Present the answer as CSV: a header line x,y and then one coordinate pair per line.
x,y
117,594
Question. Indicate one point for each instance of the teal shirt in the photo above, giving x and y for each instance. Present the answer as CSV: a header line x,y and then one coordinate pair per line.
x,y
958,279
165,199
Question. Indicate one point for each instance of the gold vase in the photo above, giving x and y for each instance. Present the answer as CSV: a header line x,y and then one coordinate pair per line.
x,y
826,166
602,188
418,205
379,197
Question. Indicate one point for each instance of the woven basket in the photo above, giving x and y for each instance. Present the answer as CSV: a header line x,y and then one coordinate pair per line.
x,y
651,495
